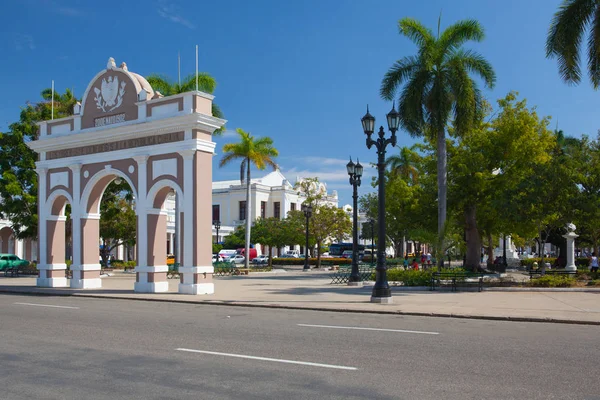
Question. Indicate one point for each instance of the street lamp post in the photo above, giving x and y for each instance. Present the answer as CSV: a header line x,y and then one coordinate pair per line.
x,y
372,223
381,291
217,224
355,172
307,209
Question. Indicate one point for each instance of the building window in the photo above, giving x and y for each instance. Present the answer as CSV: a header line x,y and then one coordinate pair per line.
x,y
277,210
293,206
263,209
242,210
216,212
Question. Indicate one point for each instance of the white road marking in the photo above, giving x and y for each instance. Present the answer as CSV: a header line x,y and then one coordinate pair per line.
x,y
368,329
269,359
46,305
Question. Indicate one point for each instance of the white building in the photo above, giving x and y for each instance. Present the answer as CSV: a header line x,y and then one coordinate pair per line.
x,y
271,196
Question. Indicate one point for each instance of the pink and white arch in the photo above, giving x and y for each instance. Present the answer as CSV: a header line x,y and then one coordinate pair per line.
x,y
123,129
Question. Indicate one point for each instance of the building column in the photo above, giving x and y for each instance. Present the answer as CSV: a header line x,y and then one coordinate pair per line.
x,y
196,273
86,273
51,271
171,246
150,277
153,277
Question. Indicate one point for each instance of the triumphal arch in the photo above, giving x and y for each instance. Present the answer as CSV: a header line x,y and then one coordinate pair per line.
x,y
123,129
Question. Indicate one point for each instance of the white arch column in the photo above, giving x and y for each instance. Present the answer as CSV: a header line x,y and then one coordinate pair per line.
x,y
51,233
86,273
149,277
196,274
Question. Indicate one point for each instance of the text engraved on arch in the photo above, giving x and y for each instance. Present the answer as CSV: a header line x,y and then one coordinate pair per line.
x,y
115,146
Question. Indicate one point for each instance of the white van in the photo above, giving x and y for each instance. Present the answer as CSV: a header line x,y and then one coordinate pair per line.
x,y
226,254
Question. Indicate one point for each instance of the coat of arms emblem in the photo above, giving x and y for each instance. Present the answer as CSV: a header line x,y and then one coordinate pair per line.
x,y
110,94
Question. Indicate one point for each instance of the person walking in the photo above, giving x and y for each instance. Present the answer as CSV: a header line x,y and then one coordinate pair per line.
x,y
594,262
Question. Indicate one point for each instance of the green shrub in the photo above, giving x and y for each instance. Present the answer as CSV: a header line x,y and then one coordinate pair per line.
x,y
528,262
553,281
312,261
582,262
216,248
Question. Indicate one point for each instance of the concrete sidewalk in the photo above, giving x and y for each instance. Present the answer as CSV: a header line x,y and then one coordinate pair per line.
x,y
301,290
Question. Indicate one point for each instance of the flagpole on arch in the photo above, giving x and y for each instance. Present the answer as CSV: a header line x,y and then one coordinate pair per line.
x,y
196,68
52,102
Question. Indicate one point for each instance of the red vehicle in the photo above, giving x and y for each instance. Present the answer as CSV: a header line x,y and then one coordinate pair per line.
x,y
253,253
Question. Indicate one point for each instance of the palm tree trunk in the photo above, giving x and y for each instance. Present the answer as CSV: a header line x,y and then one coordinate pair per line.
x,y
442,191
248,216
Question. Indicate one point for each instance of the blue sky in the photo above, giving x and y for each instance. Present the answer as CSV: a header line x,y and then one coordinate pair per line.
x,y
300,72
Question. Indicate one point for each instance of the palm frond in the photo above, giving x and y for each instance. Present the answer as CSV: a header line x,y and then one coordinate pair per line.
x,y
411,103
401,71
565,34
475,63
416,31
206,83
594,50
457,34
162,84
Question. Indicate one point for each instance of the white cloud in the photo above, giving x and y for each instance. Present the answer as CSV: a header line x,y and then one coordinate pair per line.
x,y
320,160
170,12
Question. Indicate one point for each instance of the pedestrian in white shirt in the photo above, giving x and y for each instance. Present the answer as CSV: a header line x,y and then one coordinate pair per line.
x,y
594,263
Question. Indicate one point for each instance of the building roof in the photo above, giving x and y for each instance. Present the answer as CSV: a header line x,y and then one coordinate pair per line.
x,y
272,179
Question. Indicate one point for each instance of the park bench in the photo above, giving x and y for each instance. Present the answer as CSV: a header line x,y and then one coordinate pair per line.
x,y
538,272
455,278
13,270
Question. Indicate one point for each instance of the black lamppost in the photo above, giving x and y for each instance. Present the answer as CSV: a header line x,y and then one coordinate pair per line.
x,y
355,172
217,224
381,291
372,223
307,209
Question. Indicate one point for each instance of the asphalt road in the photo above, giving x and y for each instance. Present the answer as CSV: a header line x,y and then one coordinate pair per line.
x,y
118,349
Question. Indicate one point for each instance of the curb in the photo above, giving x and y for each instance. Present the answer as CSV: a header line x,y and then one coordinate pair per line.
x,y
279,306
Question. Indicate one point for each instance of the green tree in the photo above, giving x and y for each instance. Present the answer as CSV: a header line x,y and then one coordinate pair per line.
x,y
118,221
586,201
275,232
326,224
206,84
404,165
261,153
18,179
487,162
437,87
573,19
235,240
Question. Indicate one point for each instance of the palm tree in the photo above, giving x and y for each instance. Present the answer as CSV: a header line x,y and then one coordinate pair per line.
x,y
403,165
437,87
571,21
260,152
206,84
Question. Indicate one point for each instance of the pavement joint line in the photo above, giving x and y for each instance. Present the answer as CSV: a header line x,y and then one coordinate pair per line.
x,y
222,303
333,366
367,329
46,305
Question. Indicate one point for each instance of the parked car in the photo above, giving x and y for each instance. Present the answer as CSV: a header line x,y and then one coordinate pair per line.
x,y
290,255
10,261
216,258
264,259
347,254
237,259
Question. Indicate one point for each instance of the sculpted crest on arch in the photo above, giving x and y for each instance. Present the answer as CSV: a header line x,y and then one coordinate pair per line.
x,y
111,96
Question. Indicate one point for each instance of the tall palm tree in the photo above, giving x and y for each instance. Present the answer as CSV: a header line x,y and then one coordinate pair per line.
x,y
437,87
573,19
250,150
206,84
404,166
